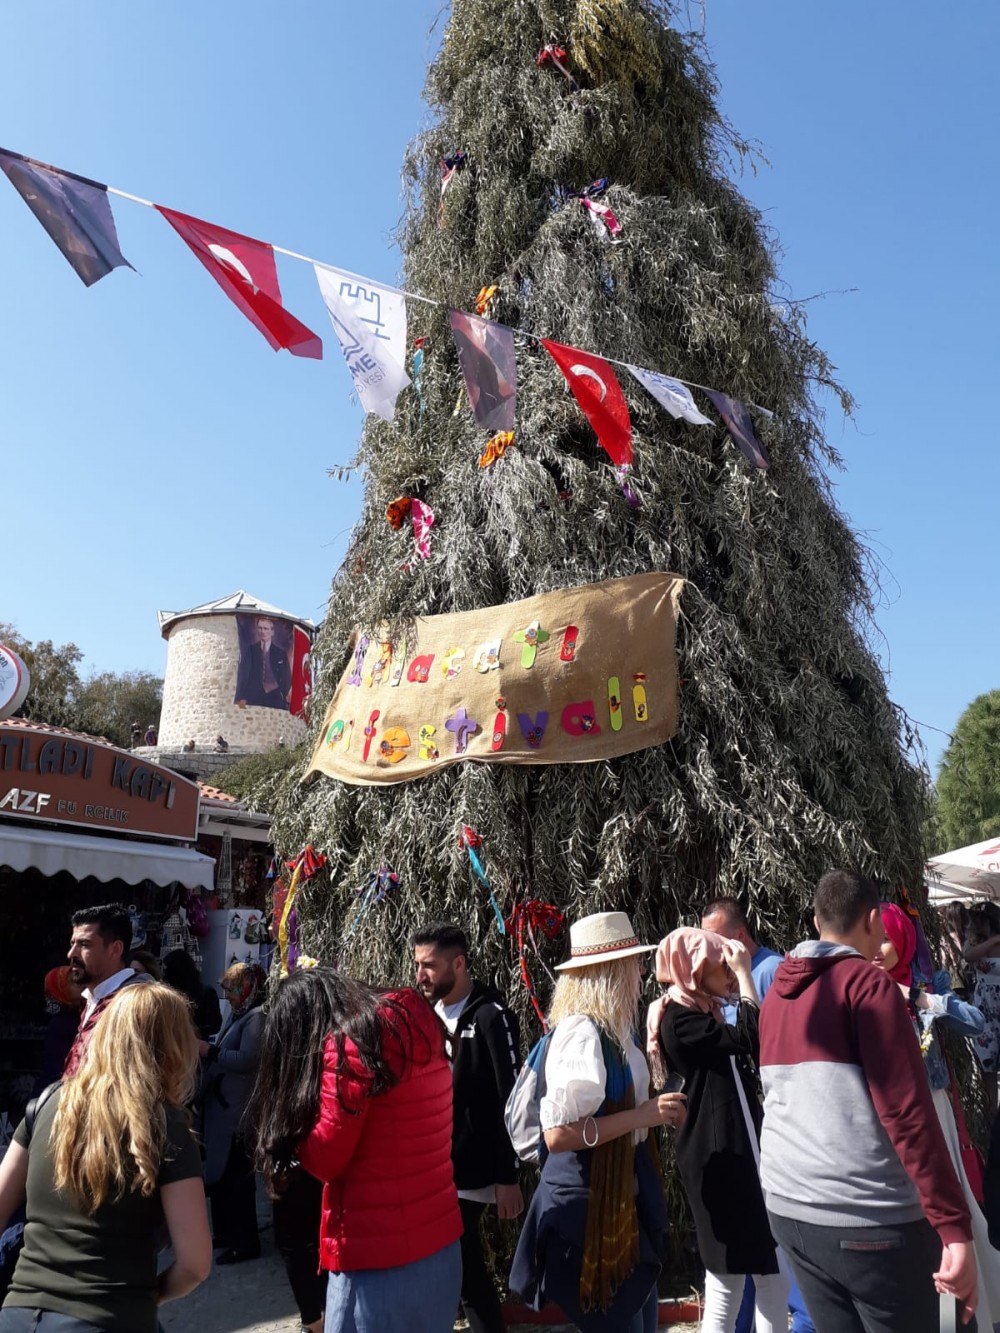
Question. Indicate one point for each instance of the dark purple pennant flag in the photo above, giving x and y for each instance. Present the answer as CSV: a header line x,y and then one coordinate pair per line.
x,y
73,210
740,427
486,351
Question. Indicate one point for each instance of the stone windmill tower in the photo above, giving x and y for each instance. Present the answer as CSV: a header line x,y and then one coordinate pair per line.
x,y
234,669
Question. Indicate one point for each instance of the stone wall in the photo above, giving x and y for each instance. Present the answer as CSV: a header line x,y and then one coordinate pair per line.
x,y
203,765
203,655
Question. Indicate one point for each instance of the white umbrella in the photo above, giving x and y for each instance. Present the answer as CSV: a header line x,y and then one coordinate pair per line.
x,y
966,873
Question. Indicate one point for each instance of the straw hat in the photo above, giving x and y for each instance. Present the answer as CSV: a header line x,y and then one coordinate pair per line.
x,y
603,936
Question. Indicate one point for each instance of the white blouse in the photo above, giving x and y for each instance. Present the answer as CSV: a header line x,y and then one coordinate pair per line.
x,y
575,1074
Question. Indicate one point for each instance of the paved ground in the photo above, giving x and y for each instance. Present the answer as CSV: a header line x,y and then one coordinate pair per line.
x,y
254,1298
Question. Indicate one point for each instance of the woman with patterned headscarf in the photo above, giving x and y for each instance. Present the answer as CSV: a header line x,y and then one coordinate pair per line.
x,y
717,1147
229,1070
934,1005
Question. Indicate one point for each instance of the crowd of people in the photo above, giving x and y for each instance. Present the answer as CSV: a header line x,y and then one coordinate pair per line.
x,y
817,1127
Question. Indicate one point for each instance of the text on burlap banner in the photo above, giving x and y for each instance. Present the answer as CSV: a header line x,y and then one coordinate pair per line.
x,y
562,678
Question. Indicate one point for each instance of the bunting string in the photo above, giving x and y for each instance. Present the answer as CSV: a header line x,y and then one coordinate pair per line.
x,y
242,276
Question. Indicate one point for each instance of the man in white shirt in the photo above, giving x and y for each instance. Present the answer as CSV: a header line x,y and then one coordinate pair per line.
x,y
486,1057
101,939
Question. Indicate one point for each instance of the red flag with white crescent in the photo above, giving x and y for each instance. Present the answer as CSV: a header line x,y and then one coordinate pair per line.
x,y
595,387
245,270
298,704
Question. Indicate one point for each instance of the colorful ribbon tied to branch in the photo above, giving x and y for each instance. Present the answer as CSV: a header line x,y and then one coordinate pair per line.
x,y
496,447
485,299
304,867
531,919
555,56
600,214
423,521
380,884
418,370
398,511
630,496
450,167
470,839
922,954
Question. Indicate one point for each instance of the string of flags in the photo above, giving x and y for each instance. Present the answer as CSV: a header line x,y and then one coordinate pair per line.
x,y
369,318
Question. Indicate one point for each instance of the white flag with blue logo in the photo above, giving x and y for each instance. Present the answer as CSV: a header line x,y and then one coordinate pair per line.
x,y
370,322
671,394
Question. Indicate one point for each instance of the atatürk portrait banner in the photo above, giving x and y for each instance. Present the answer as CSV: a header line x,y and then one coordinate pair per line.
x,y
566,677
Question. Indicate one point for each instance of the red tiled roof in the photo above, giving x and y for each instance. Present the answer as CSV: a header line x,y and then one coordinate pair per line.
x,y
31,725
214,794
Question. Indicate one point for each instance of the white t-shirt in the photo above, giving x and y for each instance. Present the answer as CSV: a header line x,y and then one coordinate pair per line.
x,y
575,1074
449,1015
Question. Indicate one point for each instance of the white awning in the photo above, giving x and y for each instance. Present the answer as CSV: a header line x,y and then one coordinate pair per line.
x,y
50,851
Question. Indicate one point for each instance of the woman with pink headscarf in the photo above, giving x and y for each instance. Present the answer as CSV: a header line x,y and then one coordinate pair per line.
x,y
934,1004
717,1146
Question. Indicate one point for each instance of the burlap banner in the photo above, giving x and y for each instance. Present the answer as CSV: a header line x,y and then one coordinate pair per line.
x,y
562,678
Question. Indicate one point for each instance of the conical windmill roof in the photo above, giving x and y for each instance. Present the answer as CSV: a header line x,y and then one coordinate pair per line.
x,y
227,606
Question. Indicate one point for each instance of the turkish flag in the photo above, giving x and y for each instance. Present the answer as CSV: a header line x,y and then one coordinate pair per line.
x,y
246,272
595,387
298,704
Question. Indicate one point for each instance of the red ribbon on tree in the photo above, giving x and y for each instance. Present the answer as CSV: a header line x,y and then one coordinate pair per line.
x,y
527,918
554,55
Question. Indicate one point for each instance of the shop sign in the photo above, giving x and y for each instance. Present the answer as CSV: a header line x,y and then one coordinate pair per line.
x,y
56,778
14,681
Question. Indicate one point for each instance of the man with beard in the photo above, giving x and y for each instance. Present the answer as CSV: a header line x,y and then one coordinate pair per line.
x,y
486,1046
98,949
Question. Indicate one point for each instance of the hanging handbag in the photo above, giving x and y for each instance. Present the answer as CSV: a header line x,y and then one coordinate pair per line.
x,y
972,1161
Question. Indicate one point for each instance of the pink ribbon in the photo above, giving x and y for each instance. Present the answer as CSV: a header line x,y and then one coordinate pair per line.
x,y
601,213
423,520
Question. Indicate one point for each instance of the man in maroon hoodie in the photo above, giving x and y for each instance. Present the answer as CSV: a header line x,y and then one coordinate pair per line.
x,y
854,1166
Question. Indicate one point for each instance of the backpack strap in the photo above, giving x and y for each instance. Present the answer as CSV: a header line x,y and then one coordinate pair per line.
x,y
36,1104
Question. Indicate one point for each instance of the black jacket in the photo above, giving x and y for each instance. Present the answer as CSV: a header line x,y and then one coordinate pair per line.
x,y
250,677
715,1157
487,1057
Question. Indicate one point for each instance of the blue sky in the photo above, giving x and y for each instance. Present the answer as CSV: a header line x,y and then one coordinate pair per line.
x,y
155,452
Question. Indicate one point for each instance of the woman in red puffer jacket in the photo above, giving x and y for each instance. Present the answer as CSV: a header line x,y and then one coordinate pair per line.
x,y
355,1088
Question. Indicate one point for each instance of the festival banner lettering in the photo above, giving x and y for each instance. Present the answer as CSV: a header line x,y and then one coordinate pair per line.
x,y
565,677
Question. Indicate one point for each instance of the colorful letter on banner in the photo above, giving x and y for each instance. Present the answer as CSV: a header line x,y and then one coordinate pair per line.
x,y
595,387
622,628
489,366
671,394
370,322
73,210
740,428
245,270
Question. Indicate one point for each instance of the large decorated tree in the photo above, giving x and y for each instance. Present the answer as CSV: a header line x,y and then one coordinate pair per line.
x,y
788,756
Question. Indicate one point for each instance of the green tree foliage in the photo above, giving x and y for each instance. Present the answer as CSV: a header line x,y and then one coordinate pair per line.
x,y
107,704
104,704
55,677
256,779
968,786
788,758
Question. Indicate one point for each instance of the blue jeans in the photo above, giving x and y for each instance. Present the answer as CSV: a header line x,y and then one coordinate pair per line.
x,y
21,1319
801,1323
421,1297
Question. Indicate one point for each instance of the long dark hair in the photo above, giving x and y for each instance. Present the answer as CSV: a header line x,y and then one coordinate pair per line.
x,y
181,971
309,1007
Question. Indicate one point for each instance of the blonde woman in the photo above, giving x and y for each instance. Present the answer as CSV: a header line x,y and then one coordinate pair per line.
x,y
592,1237
108,1157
